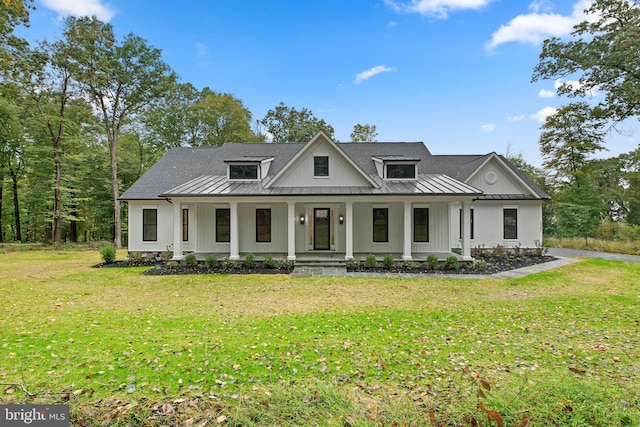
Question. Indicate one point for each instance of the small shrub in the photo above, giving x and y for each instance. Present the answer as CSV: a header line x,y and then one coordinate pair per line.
x,y
451,263
165,256
269,261
108,253
411,265
211,261
172,265
135,257
370,261
498,251
283,264
353,263
480,265
191,260
387,261
432,262
229,264
250,261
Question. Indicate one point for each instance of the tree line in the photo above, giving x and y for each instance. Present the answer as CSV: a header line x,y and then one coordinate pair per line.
x,y
84,116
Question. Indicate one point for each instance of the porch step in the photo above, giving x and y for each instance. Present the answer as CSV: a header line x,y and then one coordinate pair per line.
x,y
319,263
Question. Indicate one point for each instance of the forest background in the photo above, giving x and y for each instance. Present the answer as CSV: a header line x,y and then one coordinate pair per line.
x,y
83,117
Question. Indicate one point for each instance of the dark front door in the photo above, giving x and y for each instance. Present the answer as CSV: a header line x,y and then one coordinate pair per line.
x,y
321,229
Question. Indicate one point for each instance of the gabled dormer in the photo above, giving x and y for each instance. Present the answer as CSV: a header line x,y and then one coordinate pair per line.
x,y
248,168
396,167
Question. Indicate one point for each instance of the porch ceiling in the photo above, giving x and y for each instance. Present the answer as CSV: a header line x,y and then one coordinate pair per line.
x,y
427,184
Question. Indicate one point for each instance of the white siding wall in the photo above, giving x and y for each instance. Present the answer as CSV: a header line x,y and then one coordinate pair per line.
x,y
165,226
488,224
341,174
247,229
207,228
493,178
363,228
438,229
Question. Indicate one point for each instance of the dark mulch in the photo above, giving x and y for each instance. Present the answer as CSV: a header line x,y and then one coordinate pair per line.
x,y
160,270
493,265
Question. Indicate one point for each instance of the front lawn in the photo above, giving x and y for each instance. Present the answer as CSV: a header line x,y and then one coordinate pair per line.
x,y
124,348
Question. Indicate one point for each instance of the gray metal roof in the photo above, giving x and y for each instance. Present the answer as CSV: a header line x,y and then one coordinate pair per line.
x,y
203,171
210,185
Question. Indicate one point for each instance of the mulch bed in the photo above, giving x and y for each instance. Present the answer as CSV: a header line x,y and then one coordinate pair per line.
x,y
492,265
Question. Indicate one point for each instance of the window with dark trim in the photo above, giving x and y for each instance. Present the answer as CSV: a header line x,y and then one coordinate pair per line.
x,y
380,224
510,221
263,225
401,171
223,219
471,225
149,225
185,225
321,166
421,224
243,172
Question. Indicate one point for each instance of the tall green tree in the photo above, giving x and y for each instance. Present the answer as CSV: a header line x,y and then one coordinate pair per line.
x,y
121,78
286,124
364,133
604,53
12,14
579,209
570,137
223,118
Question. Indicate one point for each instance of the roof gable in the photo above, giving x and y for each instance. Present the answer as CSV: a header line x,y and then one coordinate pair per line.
x,y
495,176
343,171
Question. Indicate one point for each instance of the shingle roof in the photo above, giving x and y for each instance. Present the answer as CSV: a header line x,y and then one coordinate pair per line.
x,y
200,171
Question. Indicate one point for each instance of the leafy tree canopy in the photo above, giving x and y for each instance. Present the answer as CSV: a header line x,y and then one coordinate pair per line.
x,y
286,124
364,133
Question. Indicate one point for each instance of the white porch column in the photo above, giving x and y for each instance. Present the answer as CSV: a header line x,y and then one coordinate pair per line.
x,y
348,229
466,230
177,230
406,255
234,245
291,230
193,227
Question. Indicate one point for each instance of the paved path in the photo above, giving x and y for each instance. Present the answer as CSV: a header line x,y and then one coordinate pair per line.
x,y
560,253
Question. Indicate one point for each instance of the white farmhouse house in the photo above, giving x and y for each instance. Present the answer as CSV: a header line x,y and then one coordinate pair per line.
x,y
327,199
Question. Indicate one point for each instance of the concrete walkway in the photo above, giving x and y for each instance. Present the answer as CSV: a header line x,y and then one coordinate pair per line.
x,y
561,254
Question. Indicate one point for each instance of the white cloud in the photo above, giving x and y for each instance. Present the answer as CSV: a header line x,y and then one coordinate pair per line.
x,y
546,93
541,6
515,118
437,8
575,85
367,74
488,127
66,8
543,114
535,27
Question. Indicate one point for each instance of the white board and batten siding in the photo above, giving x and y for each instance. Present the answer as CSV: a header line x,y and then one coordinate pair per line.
x,y
164,227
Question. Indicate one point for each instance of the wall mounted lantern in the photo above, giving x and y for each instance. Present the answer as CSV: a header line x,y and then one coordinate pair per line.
x,y
341,219
301,219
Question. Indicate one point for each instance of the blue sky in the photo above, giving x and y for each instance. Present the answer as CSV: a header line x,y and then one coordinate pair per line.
x,y
455,74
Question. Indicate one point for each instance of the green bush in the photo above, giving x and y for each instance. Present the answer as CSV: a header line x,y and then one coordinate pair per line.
x,y
387,261
269,262
108,253
284,264
191,260
411,265
250,261
480,265
211,261
172,264
432,262
370,261
353,263
451,263
135,257
229,264
165,256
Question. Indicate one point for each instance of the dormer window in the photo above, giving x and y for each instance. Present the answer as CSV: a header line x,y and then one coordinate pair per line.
x,y
401,171
243,172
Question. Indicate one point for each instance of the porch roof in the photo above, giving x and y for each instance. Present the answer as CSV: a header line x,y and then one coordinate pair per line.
x,y
425,184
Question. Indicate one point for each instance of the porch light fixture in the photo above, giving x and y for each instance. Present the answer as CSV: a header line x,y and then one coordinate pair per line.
x,y
341,219
301,219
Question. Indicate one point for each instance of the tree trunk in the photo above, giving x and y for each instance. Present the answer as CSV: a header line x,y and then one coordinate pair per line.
x,y
57,197
16,204
1,186
115,188
73,226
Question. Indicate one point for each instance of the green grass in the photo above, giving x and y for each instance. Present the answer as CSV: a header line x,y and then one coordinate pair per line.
x,y
560,347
